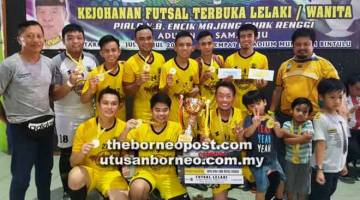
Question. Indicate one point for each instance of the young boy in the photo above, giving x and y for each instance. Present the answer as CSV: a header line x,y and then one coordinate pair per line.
x,y
298,149
261,130
331,141
164,178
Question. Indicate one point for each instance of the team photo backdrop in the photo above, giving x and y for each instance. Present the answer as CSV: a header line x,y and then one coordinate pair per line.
x,y
336,22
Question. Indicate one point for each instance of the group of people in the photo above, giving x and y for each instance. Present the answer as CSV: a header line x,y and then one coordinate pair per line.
x,y
308,106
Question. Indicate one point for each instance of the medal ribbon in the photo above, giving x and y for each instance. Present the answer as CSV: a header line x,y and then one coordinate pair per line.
x,y
79,64
296,147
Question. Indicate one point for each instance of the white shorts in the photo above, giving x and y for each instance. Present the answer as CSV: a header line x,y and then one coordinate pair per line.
x,y
65,129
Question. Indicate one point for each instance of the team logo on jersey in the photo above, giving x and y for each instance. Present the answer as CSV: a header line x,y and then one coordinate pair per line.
x,y
88,68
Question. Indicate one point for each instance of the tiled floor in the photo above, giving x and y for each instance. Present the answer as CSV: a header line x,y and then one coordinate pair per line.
x,y
345,191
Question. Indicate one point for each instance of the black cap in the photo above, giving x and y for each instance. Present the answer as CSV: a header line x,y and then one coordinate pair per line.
x,y
50,2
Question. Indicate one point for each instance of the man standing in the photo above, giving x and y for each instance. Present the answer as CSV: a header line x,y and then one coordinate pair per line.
x,y
245,59
71,68
299,77
25,81
142,73
108,74
209,64
180,75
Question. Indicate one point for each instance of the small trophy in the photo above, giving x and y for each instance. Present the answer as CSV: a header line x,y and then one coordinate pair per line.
x,y
192,106
79,86
207,118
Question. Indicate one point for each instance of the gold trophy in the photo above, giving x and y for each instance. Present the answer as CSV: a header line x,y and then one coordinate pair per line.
x,y
192,106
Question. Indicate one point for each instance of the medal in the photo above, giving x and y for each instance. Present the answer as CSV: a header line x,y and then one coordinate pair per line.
x,y
138,123
146,66
212,69
270,123
172,71
296,147
101,76
80,67
95,143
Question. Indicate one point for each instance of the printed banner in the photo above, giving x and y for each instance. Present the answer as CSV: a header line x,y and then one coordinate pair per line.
x,y
224,173
202,175
336,22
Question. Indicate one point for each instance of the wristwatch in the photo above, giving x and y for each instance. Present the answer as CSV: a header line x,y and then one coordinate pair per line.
x,y
318,168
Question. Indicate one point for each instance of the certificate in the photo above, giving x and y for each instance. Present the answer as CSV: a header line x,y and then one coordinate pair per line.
x,y
259,74
211,175
224,174
225,72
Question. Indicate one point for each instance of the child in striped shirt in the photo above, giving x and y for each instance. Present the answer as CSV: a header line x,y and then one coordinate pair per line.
x,y
298,150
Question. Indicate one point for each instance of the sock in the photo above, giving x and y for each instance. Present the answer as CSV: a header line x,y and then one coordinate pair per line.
x,y
78,194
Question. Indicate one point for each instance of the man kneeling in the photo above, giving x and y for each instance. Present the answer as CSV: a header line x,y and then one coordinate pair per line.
x,y
159,129
90,144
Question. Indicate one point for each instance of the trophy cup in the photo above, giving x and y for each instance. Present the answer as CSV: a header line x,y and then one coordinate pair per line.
x,y
192,106
79,84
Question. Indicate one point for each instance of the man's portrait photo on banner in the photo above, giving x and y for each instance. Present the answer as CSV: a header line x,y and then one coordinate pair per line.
x,y
53,16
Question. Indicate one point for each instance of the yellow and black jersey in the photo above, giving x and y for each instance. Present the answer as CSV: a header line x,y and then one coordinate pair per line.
x,y
254,61
184,81
134,66
113,81
222,131
307,72
146,133
89,131
207,88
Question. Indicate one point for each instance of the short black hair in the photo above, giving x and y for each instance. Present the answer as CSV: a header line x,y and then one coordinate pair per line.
x,y
24,25
252,97
301,101
160,97
204,34
226,84
352,80
304,32
50,2
142,27
183,34
108,90
72,28
328,85
247,27
106,39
